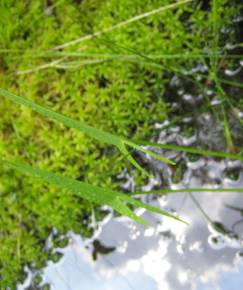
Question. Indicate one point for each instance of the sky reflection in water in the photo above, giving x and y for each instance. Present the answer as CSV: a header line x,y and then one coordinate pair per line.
x,y
168,255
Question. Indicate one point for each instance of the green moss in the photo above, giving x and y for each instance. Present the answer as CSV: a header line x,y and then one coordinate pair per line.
x,y
119,96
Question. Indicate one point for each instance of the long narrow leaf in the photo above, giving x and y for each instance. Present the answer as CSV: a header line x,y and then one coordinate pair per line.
x,y
98,134
94,194
191,150
166,191
122,24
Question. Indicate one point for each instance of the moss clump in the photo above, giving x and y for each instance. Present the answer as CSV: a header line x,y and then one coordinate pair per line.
x,y
121,95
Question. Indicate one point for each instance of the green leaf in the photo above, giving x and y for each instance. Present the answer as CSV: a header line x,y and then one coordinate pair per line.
x,y
94,194
97,134
166,191
191,150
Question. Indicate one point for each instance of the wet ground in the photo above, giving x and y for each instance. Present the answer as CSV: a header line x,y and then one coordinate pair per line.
x,y
122,255
205,255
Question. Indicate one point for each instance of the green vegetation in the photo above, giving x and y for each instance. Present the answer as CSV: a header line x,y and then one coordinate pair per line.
x,y
100,135
91,193
116,79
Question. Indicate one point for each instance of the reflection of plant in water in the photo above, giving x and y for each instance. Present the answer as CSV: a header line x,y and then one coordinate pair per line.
x,y
84,190
239,210
91,83
99,248
221,236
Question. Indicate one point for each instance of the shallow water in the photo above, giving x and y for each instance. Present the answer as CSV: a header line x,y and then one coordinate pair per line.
x,y
167,255
207,254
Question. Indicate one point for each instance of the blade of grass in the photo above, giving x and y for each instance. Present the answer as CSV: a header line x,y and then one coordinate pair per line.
x,y
219,228
200,208
97,134
232,83
93,194
129,157
214,76
191,150
98,58
186,54
187,190
121,24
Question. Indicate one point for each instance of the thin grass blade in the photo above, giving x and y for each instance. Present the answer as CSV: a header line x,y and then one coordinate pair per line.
x,y
94,194
97,134
191,150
